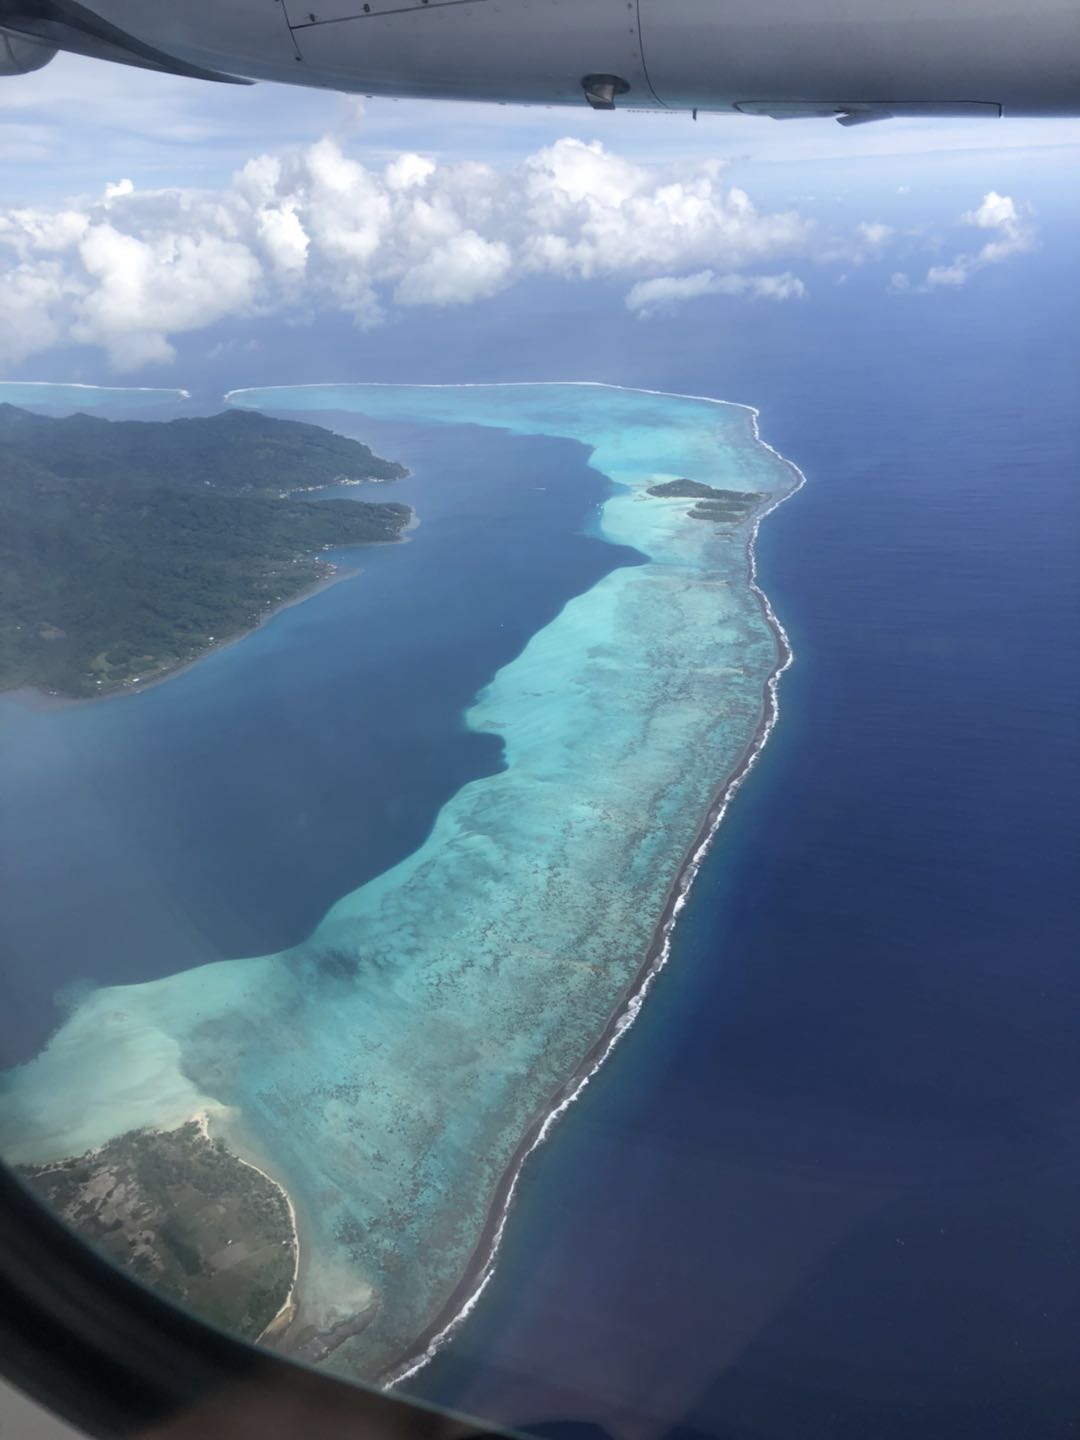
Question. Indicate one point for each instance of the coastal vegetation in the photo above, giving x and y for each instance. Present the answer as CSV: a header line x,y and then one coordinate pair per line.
x,y
129,548
185,1216
721,506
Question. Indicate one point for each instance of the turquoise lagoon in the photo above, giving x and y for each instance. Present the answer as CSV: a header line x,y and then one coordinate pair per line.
x,y
393,1070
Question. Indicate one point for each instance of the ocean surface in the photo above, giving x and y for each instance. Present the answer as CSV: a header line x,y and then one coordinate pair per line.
x,y
388,1068
829,1184
223,813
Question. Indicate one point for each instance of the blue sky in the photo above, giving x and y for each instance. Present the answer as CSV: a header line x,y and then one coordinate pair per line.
x,y
139,208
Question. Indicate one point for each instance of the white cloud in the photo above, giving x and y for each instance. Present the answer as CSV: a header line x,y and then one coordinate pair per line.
x,y
464,268
867,241
1012,234
594,213
955,274
120,188
409,170
648,297
283,238
139,291
316,227
874,234
32,233
996,212
34,299
311,228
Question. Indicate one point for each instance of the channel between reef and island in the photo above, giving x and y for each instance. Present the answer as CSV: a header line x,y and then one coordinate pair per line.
x,y
480,1269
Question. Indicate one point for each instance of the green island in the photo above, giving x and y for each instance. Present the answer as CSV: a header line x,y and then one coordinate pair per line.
x,y
725,507
129,548
184,1215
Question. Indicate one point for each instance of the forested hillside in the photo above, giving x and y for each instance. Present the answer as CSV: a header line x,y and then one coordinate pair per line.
x,y
128,548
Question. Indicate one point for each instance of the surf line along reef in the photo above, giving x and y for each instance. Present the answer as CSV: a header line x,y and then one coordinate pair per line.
x,y
393,1070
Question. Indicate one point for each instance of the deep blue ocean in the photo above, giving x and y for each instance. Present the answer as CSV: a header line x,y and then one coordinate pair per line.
x,y
829,1185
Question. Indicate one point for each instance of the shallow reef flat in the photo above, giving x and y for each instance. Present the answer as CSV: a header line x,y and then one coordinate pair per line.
x,y
386,1070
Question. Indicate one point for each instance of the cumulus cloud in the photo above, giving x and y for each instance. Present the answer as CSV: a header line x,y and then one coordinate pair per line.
x,y
867,241
283,238
594,213
29,234
408,171
665,292
120,188
997,212
874,234
463,268
36,300
1011,234
143,290
315,228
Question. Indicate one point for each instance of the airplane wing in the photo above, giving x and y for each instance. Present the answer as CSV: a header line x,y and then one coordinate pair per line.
x,y
778,58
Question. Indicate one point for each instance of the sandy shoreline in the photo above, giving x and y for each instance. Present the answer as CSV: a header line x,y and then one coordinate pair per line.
x,y
202,1119
288,1305
481,1265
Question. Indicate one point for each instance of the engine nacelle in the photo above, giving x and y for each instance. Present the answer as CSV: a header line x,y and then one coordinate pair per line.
x,y
20,54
